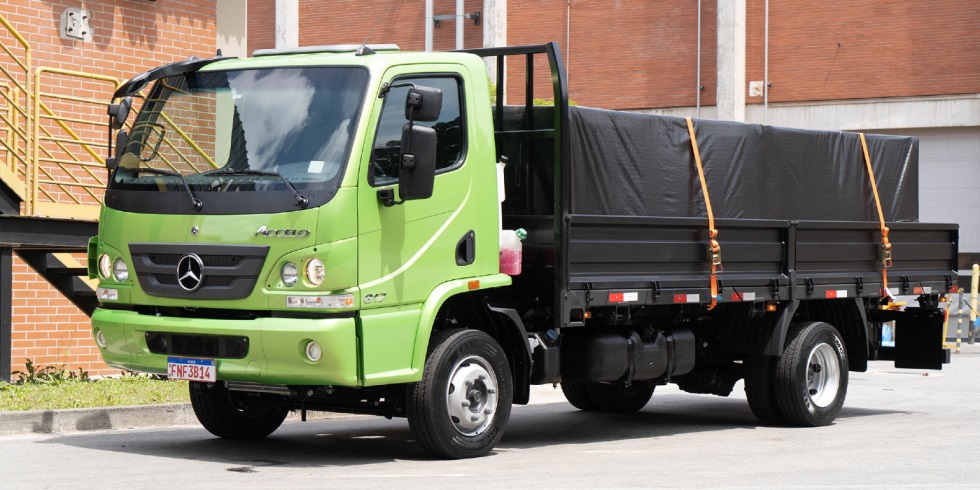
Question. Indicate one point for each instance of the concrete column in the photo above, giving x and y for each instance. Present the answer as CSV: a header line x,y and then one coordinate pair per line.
x,y
494,30
287,23
731,60
232,27
428,25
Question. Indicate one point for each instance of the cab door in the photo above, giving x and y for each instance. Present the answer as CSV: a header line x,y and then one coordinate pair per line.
x,y
406,250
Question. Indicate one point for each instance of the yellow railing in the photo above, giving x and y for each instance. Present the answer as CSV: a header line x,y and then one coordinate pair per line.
x,y
61,181
53,143
16,72
51,140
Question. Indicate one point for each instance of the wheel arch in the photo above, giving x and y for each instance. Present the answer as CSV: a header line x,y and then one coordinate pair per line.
x,y
848,316
452,303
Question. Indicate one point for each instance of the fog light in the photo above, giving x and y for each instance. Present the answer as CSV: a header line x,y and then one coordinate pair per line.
x,y
100,338
119,270
313,351
105,266
106,294
315,271
289,274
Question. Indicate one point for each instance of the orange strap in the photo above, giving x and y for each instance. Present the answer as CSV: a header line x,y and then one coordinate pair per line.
x,y
714,249
886,247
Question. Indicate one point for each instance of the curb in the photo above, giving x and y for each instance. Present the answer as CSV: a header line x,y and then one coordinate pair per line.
x,y
83,419
114,418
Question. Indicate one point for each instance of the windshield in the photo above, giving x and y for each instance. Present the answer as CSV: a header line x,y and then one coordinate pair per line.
x,y
282,130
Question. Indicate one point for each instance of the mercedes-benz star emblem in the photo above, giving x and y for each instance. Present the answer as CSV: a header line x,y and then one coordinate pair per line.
x,y
190,272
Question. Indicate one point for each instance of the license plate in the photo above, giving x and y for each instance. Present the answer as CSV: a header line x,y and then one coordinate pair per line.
x,y
192,369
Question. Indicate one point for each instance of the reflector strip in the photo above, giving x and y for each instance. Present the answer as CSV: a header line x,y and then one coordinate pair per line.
x,y
922,290
687,298
743,296
837,293
624,297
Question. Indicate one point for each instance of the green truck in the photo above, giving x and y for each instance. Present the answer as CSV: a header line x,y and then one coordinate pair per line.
x,y
321,229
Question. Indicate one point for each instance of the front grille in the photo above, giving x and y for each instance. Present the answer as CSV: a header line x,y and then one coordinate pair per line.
x,y
210,346
230,271
209,260
217,281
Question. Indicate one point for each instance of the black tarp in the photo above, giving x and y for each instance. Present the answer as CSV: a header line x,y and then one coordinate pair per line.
x,y
643,165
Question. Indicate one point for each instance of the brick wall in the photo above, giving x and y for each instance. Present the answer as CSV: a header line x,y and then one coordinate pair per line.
x,y
643,54
403,23
841,49
129,36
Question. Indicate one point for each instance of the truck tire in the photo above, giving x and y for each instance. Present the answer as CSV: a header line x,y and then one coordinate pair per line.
x,y
235,415
811,375
577,393
461,406
760,389
605,397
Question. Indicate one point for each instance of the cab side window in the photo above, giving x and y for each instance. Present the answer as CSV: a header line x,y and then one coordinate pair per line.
x,y
450,133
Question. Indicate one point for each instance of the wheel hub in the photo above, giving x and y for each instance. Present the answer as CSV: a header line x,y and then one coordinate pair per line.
x,y
471,396
823,375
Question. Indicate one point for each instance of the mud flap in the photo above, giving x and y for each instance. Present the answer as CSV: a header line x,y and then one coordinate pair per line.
x,y
918,339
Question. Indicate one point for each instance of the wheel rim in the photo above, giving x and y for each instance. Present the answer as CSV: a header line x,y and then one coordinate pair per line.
x,y
823,375
471,396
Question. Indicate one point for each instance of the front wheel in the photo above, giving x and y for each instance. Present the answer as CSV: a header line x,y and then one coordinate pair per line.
x,y
235,415
811,375
461,406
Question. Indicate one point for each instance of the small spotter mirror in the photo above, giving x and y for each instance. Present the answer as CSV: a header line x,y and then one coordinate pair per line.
x,y
118,113
423,104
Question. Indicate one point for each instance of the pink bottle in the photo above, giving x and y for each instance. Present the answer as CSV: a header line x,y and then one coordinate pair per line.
x,y
510,251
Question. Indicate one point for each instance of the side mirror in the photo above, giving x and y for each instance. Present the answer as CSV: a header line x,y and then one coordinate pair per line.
x,y
417,168
423,104
122,138
118,113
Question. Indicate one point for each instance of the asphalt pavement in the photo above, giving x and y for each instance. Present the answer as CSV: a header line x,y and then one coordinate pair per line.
x,y
898,429
180,414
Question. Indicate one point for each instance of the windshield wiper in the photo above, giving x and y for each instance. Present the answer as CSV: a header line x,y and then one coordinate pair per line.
x,y
301,200
195,202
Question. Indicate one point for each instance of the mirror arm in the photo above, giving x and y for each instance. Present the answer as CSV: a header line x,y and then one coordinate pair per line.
x,y
387,197
109,155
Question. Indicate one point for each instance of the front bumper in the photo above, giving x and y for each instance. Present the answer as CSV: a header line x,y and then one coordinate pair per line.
x,y
276,353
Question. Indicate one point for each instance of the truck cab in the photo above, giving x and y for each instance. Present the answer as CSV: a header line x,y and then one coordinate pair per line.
x,y
261,215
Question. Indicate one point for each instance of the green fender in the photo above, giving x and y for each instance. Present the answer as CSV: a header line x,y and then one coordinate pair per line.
x,y
434,302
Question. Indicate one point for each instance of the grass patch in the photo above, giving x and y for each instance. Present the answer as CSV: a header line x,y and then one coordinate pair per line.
x,y
129,390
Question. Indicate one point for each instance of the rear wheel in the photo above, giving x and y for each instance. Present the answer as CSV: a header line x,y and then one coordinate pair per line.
x,y
606,397
235,415
811,375
760,390
577,393
462,405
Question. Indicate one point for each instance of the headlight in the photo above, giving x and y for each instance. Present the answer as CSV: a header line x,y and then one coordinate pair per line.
x,y
105,266
119,270
315,271
289,274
